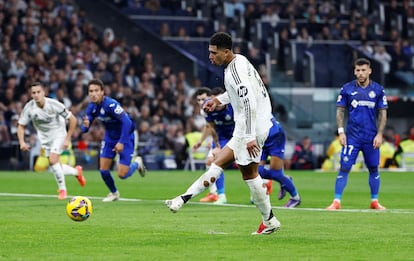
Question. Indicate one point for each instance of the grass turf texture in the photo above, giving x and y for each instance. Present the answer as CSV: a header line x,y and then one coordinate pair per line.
x,y
35,227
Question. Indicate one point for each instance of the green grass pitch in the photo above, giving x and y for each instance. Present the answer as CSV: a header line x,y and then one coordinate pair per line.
x,y
34,225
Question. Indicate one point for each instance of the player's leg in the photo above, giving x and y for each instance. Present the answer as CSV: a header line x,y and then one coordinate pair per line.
x,y
349,155
224,158
222,199
260,198
212,195
249,168
76,171
125,167
371,158
275,147
53,149
57,171
67,159
105,162
286,183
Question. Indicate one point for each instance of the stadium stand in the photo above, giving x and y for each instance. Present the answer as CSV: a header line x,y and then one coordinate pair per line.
x,y
64,43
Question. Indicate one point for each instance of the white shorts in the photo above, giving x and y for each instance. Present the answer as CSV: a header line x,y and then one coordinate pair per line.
x,y
241,155
52,144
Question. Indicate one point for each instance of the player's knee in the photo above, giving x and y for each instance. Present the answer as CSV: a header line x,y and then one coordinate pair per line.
x,y
105,172
277,174
346,168
373,169
261,170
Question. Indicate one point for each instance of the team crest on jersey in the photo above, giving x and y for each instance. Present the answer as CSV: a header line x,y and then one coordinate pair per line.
x,y
371,94
242,91
102,111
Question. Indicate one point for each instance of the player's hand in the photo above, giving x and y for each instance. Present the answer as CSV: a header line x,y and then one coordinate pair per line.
x,y
377,141
253,148
65,144
209,105
342,139
196,146
119,147
24,146
86,121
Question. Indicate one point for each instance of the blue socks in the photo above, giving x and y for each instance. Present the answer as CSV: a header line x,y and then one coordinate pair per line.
x,y
220,184
374,183
132,168
279,176
340,184
109,181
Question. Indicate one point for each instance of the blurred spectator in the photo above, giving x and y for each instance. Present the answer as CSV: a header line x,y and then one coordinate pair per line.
x,y
4,129
303,157
331,161
406,146
401,67
233,11
304,37
392,136
293,29
131,80
271,15
284,46
200,31
366,48
382,56
165,29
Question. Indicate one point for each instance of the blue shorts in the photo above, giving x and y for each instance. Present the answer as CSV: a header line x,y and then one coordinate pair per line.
x,y
350,153
275,142
222,143
125,156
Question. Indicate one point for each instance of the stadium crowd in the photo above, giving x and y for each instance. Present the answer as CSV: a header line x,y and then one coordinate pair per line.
x,y
54,43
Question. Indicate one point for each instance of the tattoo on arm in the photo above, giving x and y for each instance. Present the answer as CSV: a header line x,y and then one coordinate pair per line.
x,y
340,116
382,120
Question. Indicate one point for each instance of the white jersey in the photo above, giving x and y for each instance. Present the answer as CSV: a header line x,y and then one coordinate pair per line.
x,y
249,98
49,121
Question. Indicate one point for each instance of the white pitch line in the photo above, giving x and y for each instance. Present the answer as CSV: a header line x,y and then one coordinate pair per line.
x,y
395,211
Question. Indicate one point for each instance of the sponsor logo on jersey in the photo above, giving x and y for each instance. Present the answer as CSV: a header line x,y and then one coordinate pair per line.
x,y
242,91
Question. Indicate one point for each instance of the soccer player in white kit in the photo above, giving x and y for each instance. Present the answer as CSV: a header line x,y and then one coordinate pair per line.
x,y
49,119
253,119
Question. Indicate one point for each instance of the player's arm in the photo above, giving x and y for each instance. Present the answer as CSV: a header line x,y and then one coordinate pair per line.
x,y
71,128
340,121
87,119
381,121
207,131
213,103
20,136
214,134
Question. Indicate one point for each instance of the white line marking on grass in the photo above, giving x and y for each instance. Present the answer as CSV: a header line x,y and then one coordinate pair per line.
x,y
396,211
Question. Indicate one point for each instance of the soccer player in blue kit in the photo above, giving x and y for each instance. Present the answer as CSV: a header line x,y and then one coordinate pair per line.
x,y
119,137
274,147
367,106
220,123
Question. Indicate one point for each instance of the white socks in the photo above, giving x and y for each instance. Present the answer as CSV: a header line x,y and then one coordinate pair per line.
x,y
259,196
68,170
59,177
204,181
